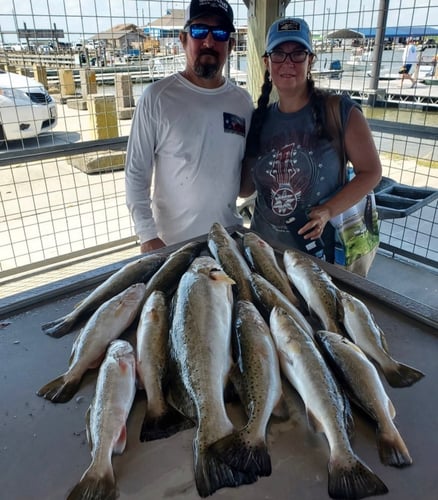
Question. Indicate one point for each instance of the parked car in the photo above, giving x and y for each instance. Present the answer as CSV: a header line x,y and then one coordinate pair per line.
x,y
26,108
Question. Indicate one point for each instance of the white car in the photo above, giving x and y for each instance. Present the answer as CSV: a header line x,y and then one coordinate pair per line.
x,y
26,108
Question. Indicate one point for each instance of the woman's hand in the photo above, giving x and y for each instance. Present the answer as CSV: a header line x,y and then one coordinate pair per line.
x,y
318,218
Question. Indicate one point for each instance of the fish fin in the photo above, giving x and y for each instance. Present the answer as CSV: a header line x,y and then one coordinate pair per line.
x,y
339,307
391,409
94,486
401,375
392,450
88,432
211,474
347,412
59,327
165,425
355,481
59,390
313,422
281,410
240,454
382,337
120,444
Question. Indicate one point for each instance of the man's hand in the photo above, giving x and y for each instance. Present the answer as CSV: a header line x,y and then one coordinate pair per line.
x,y
149,245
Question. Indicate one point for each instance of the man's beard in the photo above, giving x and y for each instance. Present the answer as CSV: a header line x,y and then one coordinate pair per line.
x,y
207,71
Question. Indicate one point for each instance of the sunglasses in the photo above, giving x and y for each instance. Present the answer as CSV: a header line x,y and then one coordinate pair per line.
x,y
297,56
201,31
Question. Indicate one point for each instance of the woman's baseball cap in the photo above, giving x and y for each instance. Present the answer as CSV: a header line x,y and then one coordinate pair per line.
x,y
289,29
204,8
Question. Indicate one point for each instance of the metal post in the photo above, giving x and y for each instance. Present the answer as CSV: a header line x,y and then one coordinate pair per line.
x,y
378,51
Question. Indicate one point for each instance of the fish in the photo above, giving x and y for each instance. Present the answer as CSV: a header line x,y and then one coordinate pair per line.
x,y
263,261
167,277
200,351
137,271
326,406
161,420
364,331
226,251
267,296
106,422
316,287
262,392
110,320
361,378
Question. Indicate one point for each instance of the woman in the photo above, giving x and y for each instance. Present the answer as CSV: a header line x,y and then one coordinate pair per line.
x,y
291,160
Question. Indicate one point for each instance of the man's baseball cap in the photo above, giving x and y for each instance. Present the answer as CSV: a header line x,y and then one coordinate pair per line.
x,y
204,8
289,29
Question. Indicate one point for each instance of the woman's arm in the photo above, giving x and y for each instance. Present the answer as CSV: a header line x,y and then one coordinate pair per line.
x,y
362,153
247,186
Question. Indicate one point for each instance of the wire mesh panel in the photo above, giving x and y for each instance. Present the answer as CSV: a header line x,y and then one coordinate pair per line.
x,y
74,70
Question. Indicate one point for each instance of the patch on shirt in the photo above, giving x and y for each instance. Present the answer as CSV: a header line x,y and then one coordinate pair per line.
x,y
233,124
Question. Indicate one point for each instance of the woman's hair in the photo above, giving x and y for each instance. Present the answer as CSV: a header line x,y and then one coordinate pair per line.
x,y
317,97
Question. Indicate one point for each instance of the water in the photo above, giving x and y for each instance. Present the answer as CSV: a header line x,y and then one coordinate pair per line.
x,y
391,62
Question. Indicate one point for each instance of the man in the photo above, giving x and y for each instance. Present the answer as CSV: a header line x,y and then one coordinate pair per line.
x,y
188,136
409,61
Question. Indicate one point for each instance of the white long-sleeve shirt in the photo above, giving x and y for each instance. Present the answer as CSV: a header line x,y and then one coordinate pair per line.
x,y
184,158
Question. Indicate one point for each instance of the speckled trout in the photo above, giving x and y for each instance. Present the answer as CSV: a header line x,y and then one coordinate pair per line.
x,y
316,287
366,333
110,320
266,296
167,277
200,348
260,391
161,420
226,251
356,373
106,422
137,271
263,261
326,407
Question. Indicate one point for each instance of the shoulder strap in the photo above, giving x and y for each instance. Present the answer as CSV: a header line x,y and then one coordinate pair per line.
x,y
335,129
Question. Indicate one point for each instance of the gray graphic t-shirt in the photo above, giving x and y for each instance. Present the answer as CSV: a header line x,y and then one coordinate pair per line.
x,y
295,169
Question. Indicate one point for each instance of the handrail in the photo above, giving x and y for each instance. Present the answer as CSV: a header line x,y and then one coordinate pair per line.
x,y
120,143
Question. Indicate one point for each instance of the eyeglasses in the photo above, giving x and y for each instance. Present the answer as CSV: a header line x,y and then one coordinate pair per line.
x,y
297,56
201,31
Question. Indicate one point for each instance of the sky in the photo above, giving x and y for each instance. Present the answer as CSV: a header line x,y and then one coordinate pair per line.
x,y
84,18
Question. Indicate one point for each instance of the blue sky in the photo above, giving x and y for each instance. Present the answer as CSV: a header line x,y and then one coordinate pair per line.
x,y
83,18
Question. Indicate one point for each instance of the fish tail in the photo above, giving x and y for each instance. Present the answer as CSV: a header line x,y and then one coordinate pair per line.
x,y
164,426
211,474
59,327
400,375
392,449
59,390
353,481
243,455
94,487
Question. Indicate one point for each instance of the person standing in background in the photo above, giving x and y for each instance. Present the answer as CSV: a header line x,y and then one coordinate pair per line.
x,y
409,62
187,139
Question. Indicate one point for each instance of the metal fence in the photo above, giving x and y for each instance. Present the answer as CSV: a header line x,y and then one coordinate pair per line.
x,y
62,192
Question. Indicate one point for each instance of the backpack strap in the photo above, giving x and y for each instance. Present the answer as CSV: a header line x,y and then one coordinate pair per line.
x,y
335,129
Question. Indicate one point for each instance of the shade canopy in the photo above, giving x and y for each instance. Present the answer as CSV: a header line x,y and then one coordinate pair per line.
x,y
345,33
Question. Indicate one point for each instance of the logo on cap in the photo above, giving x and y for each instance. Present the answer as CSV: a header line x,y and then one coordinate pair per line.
x,y
289,25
